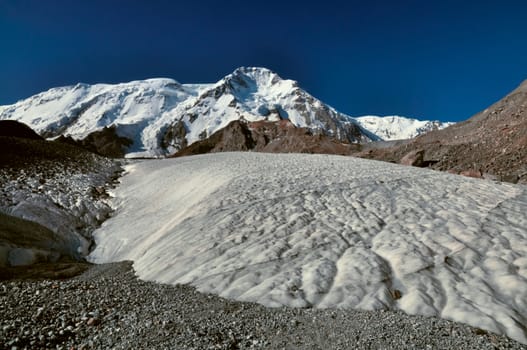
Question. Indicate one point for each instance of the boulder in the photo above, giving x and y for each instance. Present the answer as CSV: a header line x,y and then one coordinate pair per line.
x,y
413,158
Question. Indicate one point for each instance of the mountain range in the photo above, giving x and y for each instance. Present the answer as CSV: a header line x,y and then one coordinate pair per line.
x,y
157,117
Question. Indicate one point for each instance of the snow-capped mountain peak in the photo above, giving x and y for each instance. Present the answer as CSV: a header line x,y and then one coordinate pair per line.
x,y
161,115
246,77
399,128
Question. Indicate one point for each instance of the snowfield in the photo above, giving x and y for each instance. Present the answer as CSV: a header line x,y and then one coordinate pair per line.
x,y
327,232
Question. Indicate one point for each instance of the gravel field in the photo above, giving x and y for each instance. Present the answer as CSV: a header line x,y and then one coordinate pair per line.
x,y
108,307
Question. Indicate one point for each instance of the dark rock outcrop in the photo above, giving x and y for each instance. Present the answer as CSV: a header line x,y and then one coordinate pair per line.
x,y
13,128
24,242
174,136
413,158
19,152
265,136
104,142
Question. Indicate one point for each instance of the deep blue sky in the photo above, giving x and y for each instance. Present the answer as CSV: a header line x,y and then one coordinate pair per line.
x,y
427,59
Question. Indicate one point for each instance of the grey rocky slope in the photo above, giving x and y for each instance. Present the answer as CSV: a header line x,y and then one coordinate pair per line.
x,y
107,307
52,196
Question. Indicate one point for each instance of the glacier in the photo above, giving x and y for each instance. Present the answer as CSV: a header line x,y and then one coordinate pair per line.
x,y
326,231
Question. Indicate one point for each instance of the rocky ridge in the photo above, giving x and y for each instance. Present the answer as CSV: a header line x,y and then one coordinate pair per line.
x,y
492,144
266,136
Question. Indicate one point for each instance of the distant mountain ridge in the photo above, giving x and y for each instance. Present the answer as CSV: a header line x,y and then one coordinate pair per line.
x,y
391,128
161,116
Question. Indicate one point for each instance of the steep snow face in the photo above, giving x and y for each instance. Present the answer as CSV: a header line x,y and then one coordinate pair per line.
x,y
327,231
259,94
399,128
161,115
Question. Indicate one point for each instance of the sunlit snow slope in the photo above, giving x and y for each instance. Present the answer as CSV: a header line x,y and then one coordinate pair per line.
x,y
327,231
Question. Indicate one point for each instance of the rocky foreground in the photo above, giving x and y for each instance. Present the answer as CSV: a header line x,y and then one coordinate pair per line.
x,y
108,307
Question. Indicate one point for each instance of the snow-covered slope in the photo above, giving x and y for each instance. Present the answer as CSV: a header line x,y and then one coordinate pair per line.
x,y
327,231
138,110
399,128
161,115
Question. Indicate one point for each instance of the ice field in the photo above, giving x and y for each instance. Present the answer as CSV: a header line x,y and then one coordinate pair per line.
x,y
327,232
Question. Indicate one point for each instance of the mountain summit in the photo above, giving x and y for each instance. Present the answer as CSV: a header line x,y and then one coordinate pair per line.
x,y
161,116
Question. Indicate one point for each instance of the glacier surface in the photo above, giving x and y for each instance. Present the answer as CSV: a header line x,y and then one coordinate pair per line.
x,y
327,232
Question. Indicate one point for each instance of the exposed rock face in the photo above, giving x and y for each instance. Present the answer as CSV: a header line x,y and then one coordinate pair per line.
x,y
174,136
265,136
493,142
104,142
24,242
